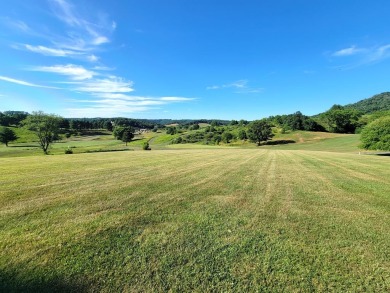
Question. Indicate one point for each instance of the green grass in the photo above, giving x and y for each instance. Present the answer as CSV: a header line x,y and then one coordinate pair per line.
x,y
79,144
318,141
104,141
207,220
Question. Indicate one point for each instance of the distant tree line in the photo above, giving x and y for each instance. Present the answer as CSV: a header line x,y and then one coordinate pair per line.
x,y
12,118
295,121
380,102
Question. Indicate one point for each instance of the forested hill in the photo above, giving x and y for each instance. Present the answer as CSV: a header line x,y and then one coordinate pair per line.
x,y
376,103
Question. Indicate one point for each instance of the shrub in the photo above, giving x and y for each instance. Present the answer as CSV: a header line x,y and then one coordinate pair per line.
x,y
376,135
68,151
146,147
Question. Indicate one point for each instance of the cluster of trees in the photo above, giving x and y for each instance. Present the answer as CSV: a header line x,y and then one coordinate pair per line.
x,y
103,123
256,131
340,119
296,121
12,118
376,103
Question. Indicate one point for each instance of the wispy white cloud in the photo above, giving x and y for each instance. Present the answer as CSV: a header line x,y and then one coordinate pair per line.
x,y
116,104
92,58
95,91
25,83
363,56
213,87
348,51
379,53
100,40
176,99
75,72
51,51
90,32
17,24
240,86
107,85
103,68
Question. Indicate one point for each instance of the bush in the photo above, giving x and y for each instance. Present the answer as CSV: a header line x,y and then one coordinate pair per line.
x,y
376,135
146,147
68,151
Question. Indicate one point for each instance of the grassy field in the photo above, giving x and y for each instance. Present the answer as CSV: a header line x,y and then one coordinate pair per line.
x,y
201,220
96,141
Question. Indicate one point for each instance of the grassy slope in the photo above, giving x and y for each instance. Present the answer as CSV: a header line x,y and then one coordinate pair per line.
x,y
319,141
196,220
104,141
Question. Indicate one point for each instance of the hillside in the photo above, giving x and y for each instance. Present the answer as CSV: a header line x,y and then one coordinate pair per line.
x,y
380,102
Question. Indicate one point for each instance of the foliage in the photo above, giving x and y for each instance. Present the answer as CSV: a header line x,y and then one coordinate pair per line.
x,y
171,130
194,127
68,151
127,135
45,126
217,139
227,136
376,135
242,134
342,120
368,118
376,103
259,130
145,146
7,135
296,121
120,130
8,118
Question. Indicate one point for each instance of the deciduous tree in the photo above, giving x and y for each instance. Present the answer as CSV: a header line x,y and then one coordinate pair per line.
x,y
127,136
259,130
376,135
45,126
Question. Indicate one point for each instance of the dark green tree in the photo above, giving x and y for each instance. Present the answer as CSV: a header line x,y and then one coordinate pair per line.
x,y
376,135
217,139
342,120
7,135
127,136
120,130
227,136
171,130
45,126
259,130
242,134
107,125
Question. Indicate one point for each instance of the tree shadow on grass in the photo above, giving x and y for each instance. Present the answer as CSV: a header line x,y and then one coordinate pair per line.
x,y
23,146
276,142
384,154
14,280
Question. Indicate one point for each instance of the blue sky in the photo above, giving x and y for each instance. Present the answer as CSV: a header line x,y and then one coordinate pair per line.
x,y
195,59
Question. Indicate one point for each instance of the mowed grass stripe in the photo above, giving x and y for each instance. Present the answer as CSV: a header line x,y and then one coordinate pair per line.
x,y
197,220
